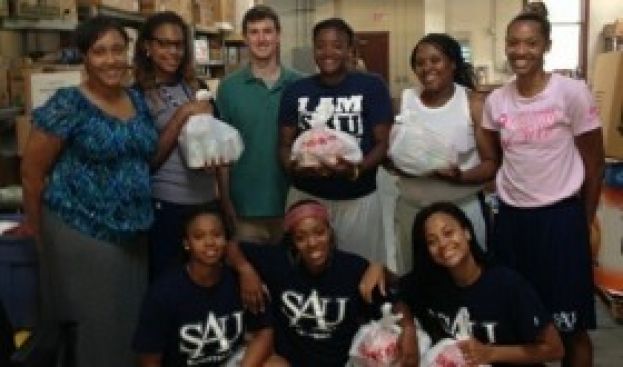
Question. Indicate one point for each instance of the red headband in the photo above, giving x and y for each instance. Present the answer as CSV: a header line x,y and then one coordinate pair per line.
x,y
295,215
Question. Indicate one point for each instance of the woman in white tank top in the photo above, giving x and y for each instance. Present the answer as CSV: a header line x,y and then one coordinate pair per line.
x,y
453,110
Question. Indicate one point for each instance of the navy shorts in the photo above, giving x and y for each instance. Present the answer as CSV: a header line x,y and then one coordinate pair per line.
x,y
550,247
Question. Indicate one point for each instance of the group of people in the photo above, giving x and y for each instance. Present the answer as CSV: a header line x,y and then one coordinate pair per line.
x,y
236,279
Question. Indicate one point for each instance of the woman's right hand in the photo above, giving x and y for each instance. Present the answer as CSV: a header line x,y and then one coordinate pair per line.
x,y
309,171
252,289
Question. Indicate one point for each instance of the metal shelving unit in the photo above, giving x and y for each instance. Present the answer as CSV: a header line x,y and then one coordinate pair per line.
x,y
126,17
38,24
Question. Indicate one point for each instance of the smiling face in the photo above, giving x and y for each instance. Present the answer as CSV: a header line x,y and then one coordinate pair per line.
x,y
433,68
205,240
446,240
166,49
262,38
332,52
312,239
106,61
526,46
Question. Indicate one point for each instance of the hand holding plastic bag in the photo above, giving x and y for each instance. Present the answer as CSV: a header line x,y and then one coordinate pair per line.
x,y
207,141
418,150
376,343
447,352
322,145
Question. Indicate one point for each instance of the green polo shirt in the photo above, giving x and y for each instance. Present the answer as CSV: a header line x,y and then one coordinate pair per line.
x,y
258,184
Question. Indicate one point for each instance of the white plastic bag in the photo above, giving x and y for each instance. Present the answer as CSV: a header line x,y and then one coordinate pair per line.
x,y
376,343
205,140
321,144
417,149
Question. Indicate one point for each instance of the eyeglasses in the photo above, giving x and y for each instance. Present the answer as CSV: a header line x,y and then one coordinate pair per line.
x,y
178,45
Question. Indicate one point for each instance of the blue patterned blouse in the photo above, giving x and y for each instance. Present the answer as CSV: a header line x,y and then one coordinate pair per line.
x,y
100,182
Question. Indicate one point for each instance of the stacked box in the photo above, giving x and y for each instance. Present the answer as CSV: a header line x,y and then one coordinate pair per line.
x,y
608,91
184,8
127,5
609,270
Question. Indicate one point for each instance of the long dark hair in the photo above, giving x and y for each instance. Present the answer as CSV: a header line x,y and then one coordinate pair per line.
x,y
428,274
464,72
144,72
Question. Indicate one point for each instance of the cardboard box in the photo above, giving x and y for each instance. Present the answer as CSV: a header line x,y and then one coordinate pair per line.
x,y
5,100
17,96
608,91
614,29
23,125
184,8
609,270
219,13
36,9
4,8
68,10
127,5
31,86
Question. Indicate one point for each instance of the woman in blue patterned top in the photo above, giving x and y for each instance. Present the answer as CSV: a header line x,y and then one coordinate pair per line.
x,y
87,192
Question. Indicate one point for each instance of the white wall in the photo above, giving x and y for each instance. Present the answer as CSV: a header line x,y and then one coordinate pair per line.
x,y
483,24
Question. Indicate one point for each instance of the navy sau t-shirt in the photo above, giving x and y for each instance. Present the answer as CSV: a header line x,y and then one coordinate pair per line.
x,y
191,325
503,307
315,317
360,102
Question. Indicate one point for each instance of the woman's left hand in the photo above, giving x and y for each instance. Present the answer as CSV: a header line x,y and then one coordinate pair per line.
x,y
372,278
474,352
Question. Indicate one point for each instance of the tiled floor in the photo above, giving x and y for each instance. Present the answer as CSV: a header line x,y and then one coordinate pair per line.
x,y
607,339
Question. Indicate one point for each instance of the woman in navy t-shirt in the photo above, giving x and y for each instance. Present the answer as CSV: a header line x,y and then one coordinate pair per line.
x,y
508,322
314,290
193,315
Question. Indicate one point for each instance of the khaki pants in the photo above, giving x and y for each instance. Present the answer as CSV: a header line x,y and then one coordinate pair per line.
x,y
358,223
259,230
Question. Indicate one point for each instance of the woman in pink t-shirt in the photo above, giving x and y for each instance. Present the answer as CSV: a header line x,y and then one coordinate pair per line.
x,y
549,181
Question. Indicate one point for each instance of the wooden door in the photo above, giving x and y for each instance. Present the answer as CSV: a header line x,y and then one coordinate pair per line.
x,y
373,49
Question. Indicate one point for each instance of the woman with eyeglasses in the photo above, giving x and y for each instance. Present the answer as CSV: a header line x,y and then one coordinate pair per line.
x,y
85,174
164,73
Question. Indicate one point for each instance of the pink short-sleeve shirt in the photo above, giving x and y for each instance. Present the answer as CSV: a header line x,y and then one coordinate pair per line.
x,y
541,163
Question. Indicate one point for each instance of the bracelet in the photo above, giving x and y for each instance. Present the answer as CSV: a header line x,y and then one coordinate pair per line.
x,y
355,175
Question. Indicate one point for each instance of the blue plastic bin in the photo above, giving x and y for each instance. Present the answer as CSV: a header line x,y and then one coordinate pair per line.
x,y
18,278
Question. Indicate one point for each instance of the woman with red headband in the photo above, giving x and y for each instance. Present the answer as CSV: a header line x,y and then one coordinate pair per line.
x,y
314,290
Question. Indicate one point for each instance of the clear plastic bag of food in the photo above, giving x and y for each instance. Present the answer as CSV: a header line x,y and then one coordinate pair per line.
x,y
206,140
323,145
376,343
417,149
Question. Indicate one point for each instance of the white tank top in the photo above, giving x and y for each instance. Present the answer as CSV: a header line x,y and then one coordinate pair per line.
x,y
453,121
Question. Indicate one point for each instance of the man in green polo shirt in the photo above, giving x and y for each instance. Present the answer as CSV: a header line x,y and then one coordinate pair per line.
x,y
248,99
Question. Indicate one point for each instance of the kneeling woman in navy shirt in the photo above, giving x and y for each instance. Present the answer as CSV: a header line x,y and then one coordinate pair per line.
x,y
510,325
314,289
194,316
